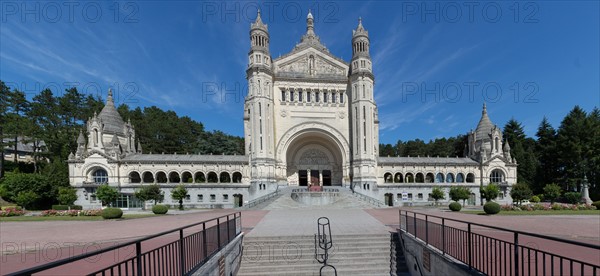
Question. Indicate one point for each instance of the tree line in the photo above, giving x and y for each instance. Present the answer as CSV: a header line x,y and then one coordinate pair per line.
x,y
562,156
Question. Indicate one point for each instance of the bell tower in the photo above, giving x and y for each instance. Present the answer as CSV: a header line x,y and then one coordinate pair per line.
x,y
364,122
258,106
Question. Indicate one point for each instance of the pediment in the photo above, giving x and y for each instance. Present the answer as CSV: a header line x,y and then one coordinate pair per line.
x,y
310,62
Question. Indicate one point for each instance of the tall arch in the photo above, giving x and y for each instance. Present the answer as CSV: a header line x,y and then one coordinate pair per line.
x,y
199,177
148,177
134,177
161,177
398,178
419,178
224,177
212,177
174,177
387,178
186,177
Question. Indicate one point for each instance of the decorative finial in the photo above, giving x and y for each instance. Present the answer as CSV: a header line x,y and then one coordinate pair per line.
x,y
109,99
309,15
484,109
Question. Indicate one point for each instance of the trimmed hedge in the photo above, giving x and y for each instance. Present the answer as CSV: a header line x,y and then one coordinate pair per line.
x,y
66,207
160,209
597,204
112,213
455,206
491,208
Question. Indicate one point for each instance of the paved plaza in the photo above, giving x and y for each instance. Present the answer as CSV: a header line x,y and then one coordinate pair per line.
x,y
21,240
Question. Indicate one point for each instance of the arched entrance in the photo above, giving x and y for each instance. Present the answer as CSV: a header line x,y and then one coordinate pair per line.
x,y
314,158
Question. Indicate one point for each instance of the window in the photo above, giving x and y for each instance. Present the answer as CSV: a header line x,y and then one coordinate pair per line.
x,y
325,96
420,196
460,178
497,176
283,96
470,178
188,198
439,178
300,96
410,196
308,97
225,198
449,178
200,198
213,198
100,176
291,96
341,98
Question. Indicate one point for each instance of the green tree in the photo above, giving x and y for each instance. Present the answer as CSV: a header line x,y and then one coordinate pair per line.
x,y
520,192
179,194
573,147
27,199
546,154
522,149
15,183
459,193
67,195
437,193
4,93
107,194
17,106
552,192
150,192
490,192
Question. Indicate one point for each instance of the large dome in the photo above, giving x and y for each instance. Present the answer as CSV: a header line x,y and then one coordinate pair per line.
x,y
112,121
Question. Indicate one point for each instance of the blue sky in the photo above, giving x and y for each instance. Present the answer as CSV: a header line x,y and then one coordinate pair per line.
x,y
435,63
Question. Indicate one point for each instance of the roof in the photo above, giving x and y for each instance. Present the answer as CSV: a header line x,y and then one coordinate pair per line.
x,y
185,158
113,123
428,160
21,146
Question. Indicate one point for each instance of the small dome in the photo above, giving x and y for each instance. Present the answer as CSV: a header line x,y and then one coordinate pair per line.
x,y
113,123
484,128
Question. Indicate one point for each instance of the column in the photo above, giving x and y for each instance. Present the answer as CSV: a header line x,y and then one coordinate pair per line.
x,y
320,178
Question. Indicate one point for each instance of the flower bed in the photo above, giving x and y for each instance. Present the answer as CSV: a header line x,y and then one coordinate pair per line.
x,y
11,212
71,213
548,207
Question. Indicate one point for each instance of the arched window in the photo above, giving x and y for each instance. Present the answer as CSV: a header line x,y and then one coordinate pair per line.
x,y
429,178
410,178
186,177
497,146
398,178
200,177
439,178
212,177
225,177
174,177
460,178
497,176
134,177
100,176
161,177
148,177
419,178
387,178
449,178
237,177
470,178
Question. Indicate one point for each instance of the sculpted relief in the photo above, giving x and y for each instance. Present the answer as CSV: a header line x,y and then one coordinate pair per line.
x,y
313,157
311,65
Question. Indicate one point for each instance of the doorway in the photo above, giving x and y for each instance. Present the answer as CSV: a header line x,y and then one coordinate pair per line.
x,y
238,200
326,178
302,178
314,177
389,199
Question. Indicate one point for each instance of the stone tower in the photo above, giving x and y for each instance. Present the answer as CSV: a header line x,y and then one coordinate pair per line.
x,y
258,106
364,123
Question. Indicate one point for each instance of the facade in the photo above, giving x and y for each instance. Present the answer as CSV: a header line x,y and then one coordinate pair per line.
x,y
310,118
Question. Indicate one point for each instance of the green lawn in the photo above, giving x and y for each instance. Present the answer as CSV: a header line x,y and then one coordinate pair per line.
x,y
538,212
66,218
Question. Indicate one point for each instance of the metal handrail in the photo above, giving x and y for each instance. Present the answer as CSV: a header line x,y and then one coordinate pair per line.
x,y
137,242
369,199
518,255
261,199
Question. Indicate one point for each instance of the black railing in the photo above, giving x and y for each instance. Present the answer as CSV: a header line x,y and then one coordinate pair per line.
x,y
499,251
175,252
255,202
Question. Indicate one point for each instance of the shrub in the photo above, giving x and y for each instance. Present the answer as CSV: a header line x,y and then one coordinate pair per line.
x,y
520,192
60,207
535,199
11,212
552,192
112,213
490,192
455,206
160,209
91,212
538,206
597,204
556,206
76,207
491,208
572,197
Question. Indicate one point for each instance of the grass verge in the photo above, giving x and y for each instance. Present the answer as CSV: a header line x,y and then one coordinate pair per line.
x,y
67,218
538,213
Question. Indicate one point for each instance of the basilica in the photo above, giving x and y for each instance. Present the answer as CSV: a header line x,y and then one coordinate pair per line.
x,y
310,118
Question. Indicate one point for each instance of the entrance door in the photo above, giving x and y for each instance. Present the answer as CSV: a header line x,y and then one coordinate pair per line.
x,y
389,199
314,177
303,178
238,200
471,200
326,178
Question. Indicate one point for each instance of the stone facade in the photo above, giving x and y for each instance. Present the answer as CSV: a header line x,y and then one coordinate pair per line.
x,y
310,118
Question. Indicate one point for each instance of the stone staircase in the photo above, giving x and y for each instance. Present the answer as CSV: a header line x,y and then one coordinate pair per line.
x,y
285,202
294,255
